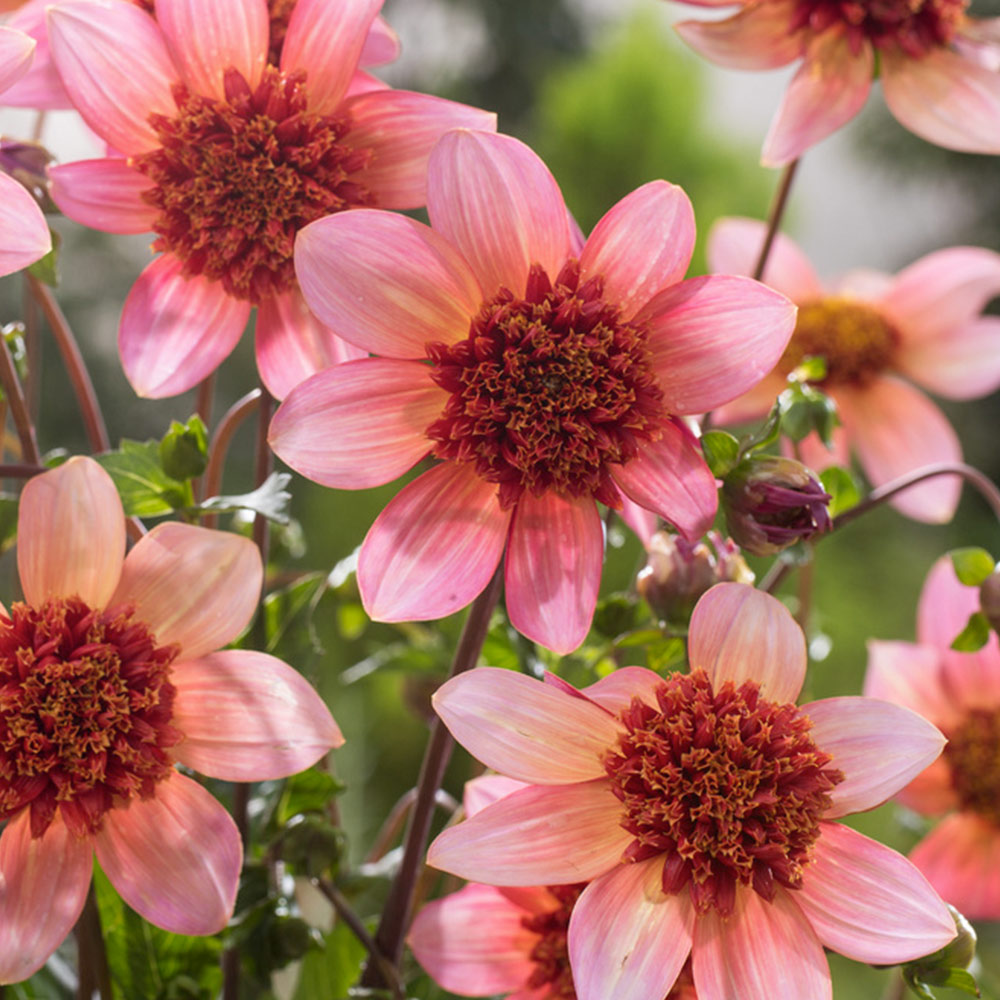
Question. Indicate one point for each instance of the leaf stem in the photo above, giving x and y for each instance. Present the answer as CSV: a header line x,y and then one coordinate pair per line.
x,y
94,975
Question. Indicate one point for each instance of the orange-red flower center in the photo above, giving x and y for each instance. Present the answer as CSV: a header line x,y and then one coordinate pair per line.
x,y
548,390
236,179
973,753
727,785
85,709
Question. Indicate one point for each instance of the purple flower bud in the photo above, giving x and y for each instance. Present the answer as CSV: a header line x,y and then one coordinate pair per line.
x,y
26,162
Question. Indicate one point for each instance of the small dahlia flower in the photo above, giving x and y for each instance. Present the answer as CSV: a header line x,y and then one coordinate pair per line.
x,y
544,373
226,155
702,810
960,693
938,66
108,678
923,324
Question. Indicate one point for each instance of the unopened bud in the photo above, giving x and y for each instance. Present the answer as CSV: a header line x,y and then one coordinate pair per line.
x,y
989,599
26,162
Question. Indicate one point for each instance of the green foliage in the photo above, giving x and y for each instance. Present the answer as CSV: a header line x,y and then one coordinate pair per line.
x,y
270,499
143,484
46,269
975,634
972,565
842,487
722,452
331,971
184,449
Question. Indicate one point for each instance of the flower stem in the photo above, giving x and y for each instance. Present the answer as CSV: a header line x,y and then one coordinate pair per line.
x,y
33,354
263,464
775,217
219,446
94,975
15,397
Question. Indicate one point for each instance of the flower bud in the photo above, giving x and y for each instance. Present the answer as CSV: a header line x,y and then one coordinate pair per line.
x,y
989,599
26,162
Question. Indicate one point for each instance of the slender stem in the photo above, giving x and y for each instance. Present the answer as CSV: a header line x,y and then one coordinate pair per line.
x,y
203,401
219,445
20,470
15,397
774,219
92,955
396,916
263,464
804,611
895,989
397,817
33,354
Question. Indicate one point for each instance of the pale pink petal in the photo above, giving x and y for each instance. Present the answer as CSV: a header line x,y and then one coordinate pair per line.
x,y
960,857
192,586
43,885
866,901
863,283
364,83
964,364
526,729
752,405
174,330
931,792
358,424
495,200
616,691
483,791
543,835
113,60
381,45
325,41
247,716
401,128
641,246
811,450
764,950
643,522
910,675
174,858
24,233
715,337
103,194
879,747
384,282
828,90
670,477
71,534
758,37
434,548
627,939
16,51
206,38
553,569
474,942
292,344
40,88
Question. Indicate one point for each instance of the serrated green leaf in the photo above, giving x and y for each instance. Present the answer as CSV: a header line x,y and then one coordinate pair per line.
x,y
270,499
972,565
308,791
330,973
843,490
184,449
146,490
721,450
975,634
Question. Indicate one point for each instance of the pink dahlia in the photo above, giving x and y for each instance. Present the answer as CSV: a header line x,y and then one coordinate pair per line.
x,y
544,373
226,155
938,66
960,693
923,324
701,809
109,677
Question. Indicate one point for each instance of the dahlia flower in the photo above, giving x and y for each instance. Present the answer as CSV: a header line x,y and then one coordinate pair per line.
x,y
923,324
109,677
701,809
938,66
960,693
545,374
303,138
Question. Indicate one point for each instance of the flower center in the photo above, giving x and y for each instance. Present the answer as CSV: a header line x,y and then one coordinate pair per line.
x,y
728,785
85,708
854,339
235,180
548,390
973,752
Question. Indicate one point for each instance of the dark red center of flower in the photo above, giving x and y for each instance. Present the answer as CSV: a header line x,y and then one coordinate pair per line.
x,y
85,709
973,753
547,391
235,180
728,785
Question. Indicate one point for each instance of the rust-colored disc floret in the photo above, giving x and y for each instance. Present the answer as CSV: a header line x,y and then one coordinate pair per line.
x,y
551,953
973,754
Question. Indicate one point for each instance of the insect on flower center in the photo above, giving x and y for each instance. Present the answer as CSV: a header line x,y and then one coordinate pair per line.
x,y
236,179
727,785
85,709
548,390
973,753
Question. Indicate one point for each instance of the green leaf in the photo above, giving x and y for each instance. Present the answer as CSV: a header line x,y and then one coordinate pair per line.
x,y
953,979
842,487
282,607
184,449
974,635
972,565
270,499
805,409
145,488
46,269
810,369
309,791
330,973
721,450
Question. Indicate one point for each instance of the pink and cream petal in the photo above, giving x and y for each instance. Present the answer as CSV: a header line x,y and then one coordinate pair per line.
x,y
752,405
192,586
643,522
931,792
815,454
910,675
358,424
103,194
616,691
964,364
381,44
24,233
71,534
627,939
433,548
16,52
174,858
755,38
483,791
40,87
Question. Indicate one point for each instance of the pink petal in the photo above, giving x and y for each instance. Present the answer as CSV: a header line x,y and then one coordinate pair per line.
x,y
325,41
174,330
753,404
381,44
741,634
828,90
863,283
758,37
814,453
193,586
103,194
113,60
24,233
526,729
401,128
965,364
543,835
385,282
627,939
878,746
174,858
713,338
641,246
434,548
358,424
931,792
495,200
206,38
43,885
643,522
868,902
40,88
910,675
483,791
71,534
616,691
553,569
16,51
670,477
246,716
